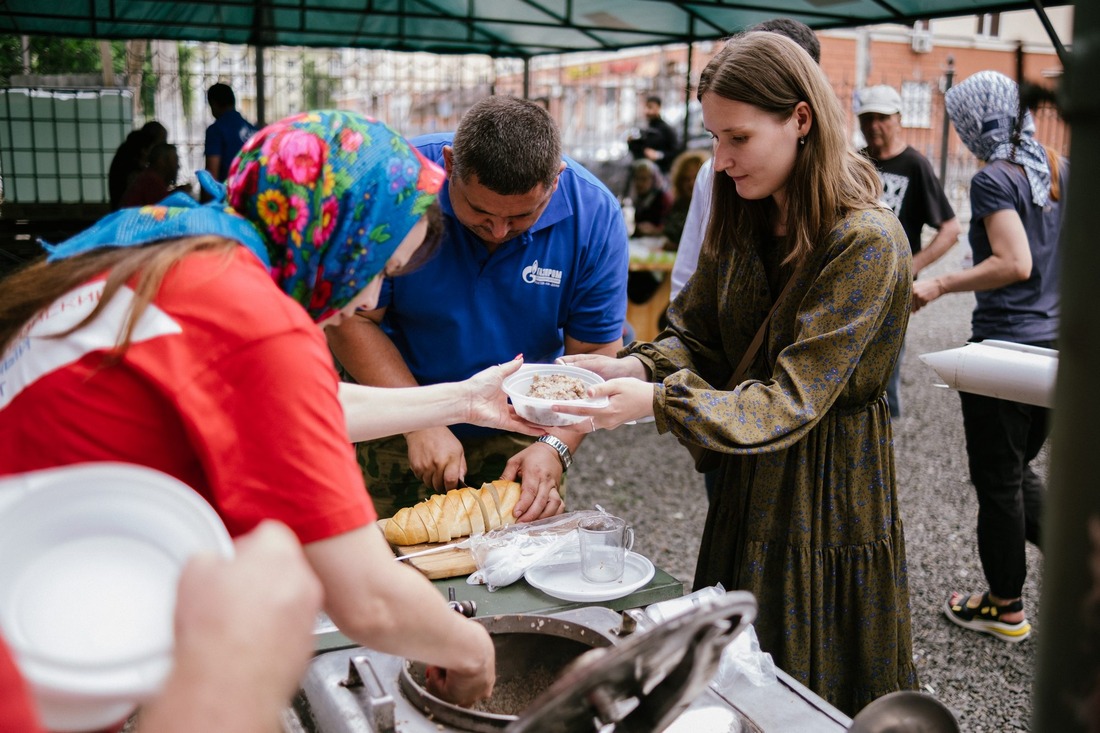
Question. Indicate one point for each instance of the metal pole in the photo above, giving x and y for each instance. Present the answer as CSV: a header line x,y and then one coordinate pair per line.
x,y
261,110
687,99
1067,686
949,79
526,78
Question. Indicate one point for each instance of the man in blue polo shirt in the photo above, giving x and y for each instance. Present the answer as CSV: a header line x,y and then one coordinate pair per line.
x,y
228,133
534,262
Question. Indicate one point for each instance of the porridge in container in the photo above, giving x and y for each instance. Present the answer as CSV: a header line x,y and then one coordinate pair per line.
x,y
535,388
557,387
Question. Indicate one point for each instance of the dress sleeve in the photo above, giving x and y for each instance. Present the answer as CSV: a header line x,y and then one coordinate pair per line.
x,y
850,303
269,429
692,339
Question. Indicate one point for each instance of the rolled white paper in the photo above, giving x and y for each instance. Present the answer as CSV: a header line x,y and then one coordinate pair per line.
x,y
999,369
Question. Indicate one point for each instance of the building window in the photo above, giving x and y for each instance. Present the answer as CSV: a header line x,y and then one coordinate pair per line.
x,y
916,104
989,24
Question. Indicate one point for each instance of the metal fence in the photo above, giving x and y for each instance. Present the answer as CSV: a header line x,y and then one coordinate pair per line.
x,y
596,100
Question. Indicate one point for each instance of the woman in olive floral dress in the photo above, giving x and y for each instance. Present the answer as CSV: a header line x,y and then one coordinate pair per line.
x,y
805,515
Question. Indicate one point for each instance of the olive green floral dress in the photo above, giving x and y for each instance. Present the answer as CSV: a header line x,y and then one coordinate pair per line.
x,y
805,513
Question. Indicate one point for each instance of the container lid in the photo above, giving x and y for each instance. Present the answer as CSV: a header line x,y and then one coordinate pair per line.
x,y
644,683
90,556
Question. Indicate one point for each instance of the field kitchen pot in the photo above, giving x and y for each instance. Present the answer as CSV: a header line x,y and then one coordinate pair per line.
x,y
581,670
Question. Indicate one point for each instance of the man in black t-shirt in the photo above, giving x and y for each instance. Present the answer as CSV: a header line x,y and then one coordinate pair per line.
x,y
909,187
657,142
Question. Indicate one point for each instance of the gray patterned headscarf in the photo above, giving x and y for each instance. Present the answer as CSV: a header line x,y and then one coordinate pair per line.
x,y
985,110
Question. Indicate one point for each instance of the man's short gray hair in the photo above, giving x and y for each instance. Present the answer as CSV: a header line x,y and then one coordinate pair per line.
x,y
510,144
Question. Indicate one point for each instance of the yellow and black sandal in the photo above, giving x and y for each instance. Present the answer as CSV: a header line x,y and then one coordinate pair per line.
x,y
986,617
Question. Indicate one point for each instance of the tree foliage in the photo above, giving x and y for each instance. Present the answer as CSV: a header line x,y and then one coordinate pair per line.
x,y
49,55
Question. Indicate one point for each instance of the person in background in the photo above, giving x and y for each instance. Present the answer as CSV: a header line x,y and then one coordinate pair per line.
x,y
188,339
227,134
534,262
652,200
657,142
131,158
699,210
255,643
909,188
1016,219
684,171
800,254
157,181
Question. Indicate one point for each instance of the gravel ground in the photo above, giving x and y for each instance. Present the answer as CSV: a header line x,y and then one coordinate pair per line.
x,y
649,479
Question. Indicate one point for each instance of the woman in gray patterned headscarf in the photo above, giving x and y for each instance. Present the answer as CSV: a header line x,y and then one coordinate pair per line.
x,y
1016,217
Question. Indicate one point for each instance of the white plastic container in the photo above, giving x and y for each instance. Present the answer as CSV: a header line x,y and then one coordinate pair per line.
x,y
90,557
538,410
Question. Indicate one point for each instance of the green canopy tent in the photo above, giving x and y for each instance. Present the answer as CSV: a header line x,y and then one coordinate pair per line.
x,y
1067,685
512,28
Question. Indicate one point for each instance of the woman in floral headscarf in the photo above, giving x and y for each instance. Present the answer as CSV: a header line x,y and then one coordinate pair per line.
x,y
1016,218
156,338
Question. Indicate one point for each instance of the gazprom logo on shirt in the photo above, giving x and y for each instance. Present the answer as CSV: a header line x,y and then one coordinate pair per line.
x,y
533,274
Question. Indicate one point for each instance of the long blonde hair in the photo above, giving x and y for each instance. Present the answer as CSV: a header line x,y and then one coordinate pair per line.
x,y
829,179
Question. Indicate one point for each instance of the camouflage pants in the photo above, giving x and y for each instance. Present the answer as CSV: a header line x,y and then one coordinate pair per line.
x,y
392,484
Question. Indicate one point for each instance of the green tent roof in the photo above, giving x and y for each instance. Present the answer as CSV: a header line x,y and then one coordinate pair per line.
x,y
520,28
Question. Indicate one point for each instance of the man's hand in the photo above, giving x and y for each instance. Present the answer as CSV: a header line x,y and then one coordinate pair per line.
x,y
436,457
540,470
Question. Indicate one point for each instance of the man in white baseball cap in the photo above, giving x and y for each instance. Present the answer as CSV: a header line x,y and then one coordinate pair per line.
x,y
880,100
909,187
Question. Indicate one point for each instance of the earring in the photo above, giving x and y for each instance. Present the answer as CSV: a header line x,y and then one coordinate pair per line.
x,y
802,140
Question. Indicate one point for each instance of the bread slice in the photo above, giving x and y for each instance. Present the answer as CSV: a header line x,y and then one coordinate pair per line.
x,y
458,513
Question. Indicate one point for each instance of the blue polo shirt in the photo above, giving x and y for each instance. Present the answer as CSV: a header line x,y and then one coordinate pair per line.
x,y
225,138
465,309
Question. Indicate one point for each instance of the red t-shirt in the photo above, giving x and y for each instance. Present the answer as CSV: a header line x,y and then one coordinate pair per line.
x,y
17,714
228,386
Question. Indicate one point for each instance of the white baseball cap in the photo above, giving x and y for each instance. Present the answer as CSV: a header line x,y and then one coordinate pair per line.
x,y
883,100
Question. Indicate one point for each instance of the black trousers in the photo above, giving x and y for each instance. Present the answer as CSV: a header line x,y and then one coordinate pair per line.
x,y
1002,439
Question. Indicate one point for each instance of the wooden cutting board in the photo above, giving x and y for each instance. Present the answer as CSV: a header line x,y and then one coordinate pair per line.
x,y
444,564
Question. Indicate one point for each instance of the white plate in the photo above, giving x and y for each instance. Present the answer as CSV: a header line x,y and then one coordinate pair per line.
x,y
89,560
564,580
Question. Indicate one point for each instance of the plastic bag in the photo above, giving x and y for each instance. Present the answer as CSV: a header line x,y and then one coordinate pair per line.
x,y
742,657
503,555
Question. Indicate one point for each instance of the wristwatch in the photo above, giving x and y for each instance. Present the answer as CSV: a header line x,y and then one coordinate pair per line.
x,y
562,450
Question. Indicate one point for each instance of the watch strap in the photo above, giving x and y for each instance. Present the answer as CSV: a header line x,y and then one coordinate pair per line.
x,y
564,455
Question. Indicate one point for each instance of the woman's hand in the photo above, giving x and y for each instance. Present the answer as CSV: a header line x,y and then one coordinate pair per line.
x,y
488,404
629,399
607,367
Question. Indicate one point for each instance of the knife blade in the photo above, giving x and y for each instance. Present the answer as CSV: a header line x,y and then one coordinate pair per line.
x,y
432,550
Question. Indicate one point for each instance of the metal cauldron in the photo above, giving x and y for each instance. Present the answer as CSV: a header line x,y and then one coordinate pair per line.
x,y
905,712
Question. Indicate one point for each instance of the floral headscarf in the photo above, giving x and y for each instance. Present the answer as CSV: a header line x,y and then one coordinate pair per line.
x,y
323,199
333,194
984,109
